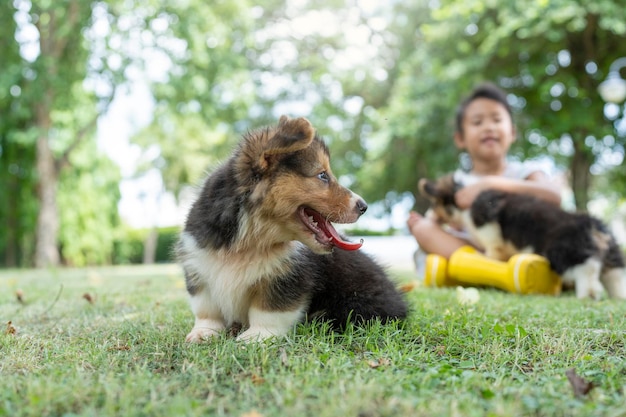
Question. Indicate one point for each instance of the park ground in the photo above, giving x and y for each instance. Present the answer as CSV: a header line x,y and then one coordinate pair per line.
x,y
110,342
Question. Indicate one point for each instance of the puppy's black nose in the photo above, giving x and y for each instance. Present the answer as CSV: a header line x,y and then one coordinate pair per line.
x,y
361,206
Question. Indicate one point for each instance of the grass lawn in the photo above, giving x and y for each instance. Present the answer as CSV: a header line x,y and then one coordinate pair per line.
x,y
110,342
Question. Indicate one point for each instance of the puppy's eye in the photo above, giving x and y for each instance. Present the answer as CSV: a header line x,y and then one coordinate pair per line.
x,y
324,176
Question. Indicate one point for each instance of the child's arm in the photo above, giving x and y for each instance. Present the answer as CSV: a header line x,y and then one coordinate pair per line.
x,y
537,184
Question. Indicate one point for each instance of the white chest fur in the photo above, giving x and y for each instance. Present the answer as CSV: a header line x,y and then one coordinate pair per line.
x,y
227,279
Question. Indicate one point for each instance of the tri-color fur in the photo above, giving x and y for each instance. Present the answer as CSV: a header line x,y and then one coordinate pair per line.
x,y
258,247
578,246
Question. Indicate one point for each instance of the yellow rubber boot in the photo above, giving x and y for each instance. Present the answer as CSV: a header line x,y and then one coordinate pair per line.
x,y
436,272
523,274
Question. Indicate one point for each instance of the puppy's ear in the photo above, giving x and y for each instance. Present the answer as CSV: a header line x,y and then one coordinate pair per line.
x,y
427,188
261,149
290,135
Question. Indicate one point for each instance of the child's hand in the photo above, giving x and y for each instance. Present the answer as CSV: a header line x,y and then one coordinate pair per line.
x,y
466,195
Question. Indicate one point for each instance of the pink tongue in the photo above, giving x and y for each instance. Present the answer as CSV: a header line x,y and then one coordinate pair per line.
x,y
337,240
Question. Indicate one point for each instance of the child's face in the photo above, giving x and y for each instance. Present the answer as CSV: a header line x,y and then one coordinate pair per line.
x,y
488,130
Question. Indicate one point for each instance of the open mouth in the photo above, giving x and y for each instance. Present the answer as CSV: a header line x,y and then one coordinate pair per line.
x,y
324,231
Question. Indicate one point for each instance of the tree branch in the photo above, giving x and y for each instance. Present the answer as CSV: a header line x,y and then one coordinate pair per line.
x,y
63,160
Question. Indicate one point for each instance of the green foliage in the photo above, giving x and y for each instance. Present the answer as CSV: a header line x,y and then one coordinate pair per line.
x,y
128,246
129,243
263,61
187,148
550,56
168,236
124,353
387,115
55,83
88,199
380,82
201,101
18,206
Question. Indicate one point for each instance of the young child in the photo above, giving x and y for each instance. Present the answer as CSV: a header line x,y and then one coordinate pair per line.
x,y
485,130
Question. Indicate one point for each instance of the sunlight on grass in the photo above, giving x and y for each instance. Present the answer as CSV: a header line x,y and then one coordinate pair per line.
x,y
110,342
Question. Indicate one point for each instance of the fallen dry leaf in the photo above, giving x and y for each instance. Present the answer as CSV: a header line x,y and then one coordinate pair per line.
x,y
119,347
10,328
409,286
378,363
257,379
580,386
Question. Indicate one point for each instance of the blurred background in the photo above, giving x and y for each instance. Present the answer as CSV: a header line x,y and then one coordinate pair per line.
x,y
111,112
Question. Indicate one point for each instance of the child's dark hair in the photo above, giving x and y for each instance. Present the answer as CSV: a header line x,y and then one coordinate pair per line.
x,y
486,90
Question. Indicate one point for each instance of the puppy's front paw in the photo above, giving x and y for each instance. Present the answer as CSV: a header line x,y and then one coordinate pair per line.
x,y
200,334
589,288
596,291
255,334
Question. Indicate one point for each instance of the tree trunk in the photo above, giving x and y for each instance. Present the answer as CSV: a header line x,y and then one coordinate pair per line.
x,y
152,239
10,251
150,246
46,251
581,176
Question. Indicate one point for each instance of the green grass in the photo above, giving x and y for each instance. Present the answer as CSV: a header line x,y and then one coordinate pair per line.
x,y
125,355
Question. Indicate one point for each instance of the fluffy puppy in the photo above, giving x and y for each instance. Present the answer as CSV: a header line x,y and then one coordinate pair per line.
x,y
578,246
258,247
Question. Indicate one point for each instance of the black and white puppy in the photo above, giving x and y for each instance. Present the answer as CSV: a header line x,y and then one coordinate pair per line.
x,y
259,247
